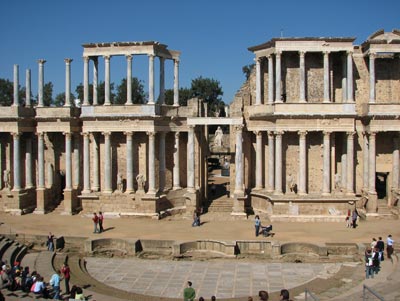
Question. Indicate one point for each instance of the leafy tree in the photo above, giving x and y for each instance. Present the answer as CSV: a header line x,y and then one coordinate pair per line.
x,y
184,95
7,93
247,70
210,91
138,94
79,92
100,93
59,100
47,94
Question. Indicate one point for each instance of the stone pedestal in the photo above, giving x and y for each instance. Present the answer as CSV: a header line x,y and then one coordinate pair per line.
x,y
372,204
41,201
192,202
146,203
239,208
70,201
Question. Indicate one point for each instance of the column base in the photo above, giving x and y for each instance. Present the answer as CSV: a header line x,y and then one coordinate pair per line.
x,y
326,194
176,188
278,193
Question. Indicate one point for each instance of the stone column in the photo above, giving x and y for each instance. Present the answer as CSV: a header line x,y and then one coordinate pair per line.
x,y
1,166
278,162
86,163
365,161
350,97
176,82
270,79
271,162
396,164
129,80
372,77
16,86
302,162
129,162
67,82
239,161
41,161
344,78
176,170
259,163
107,91
152,173
16,161
76,162
162,80
151,79
161,158
327,164
326,77
107,163
85,80
28,163
68,161
302,77
278,77
258,81
28,88
41,83
96,162
350,163
190,160
372,162
95,79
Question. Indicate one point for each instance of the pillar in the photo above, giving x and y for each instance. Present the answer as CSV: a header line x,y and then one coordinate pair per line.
x,y
28,163
365,161
350,163
161,155
107,91
302,162
76,162
270,79
259,163
176,82
68,161
16,86
258,81
350,97
344,78
41,82
95,80
372,77
96,162
129,80
271,162
396,164
107,163
28,88
176,169
302,77
190,160
16,161
40,160
162,80
152,167
85,80
129,162
372,162
278,77
86,163
151,79
327,164
67,82
326,77
239,161
344,165
278,162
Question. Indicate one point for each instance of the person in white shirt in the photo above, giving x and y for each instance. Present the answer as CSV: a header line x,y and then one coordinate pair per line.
x,y
389,246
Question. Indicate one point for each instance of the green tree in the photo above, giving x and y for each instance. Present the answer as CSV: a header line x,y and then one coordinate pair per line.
x,y
100,93
48,94
138,94
79,92
247,70
210,91
184,95
59,100
7,93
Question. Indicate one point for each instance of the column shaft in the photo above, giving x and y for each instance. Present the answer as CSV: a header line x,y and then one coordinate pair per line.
x,y
350,163
239,161
259,163
350,97
28,163
152,167
372,162
28,88
327,164
176,170
271,162
16,161
326,77
365,161
129,162
76,163
85,81
278,162
302,163
41,160
151,79
129,79
302,77
67,82
96,162
344,78
278,77
270,79
86,163
396,164
161,155
95,80
41,83
162,80
16,86
107,91
372,77
176,82
190,160
68,165
107,163
258,81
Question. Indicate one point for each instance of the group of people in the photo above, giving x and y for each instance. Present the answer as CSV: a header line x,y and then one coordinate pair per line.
x,y
374,255
351,218
259,228
189,294
98,222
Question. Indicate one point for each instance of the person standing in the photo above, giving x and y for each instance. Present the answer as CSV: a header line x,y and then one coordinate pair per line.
x,y
189,293
354,216
369,266
95,220
50,242
101,218
66,274
284,295
257,224
381,247
389,246
263,295
55,283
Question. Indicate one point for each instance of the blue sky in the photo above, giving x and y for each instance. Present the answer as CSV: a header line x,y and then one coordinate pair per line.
x,y
213,35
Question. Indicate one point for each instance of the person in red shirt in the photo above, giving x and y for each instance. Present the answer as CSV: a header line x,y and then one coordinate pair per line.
x,y
101,218
95,222
66,274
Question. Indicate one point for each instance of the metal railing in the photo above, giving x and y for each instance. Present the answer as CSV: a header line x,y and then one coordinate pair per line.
x,y
312,296
367,289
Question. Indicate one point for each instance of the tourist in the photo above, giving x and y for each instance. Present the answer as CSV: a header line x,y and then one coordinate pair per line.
x,y
375,260
389,246
95,220
263,295
348,219
369,266
55,283
201,299
381,247
66,274
354,217
284,295
373,243
39,288
257,224
50,242
213,298
196,218
5,277
101,219
189,293
79,294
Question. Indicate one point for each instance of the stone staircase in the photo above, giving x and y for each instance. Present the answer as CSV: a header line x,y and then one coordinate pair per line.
x,y
221,205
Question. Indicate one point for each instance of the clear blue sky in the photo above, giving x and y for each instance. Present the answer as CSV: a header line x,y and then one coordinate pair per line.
x,y
213,35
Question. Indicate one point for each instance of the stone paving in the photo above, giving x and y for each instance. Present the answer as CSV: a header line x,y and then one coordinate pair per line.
x,y
222,278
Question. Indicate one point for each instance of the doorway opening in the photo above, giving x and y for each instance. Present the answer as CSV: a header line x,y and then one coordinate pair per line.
x,y
381,184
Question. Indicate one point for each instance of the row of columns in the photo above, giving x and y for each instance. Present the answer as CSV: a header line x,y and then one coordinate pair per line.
x,y
348,77
129,59
274,183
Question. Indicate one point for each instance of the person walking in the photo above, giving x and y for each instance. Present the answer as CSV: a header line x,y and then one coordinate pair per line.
x,y
189,293
389,246
381,247
257,225
101,219
95,220
55,283
67,275
50,242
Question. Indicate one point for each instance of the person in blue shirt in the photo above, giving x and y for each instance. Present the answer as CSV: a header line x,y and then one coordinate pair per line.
x,y
55,283
257,224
